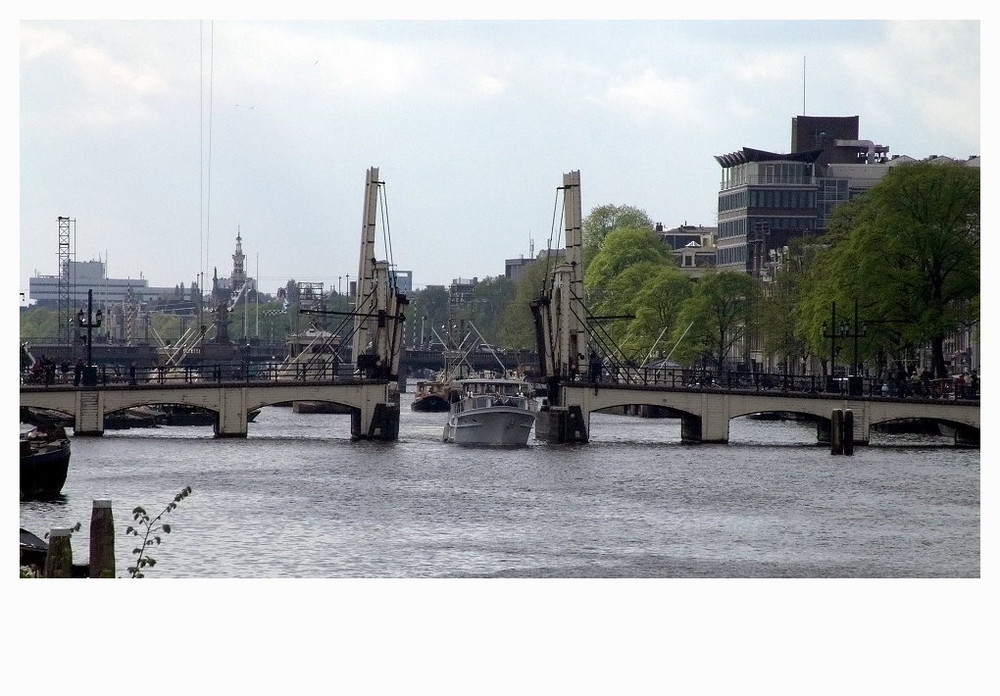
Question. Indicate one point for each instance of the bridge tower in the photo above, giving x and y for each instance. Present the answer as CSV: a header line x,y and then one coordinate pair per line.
x,y
560,324
560,313
378,318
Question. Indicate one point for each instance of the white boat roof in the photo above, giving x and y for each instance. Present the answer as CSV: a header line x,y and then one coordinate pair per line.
x,y
490,380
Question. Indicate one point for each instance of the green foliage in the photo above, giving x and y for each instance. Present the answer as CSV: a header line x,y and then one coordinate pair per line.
x,y
785,333
149,530
518,329
633,275
715,318
166,326
428,310
657,306
605,219
39,324
623,248
908,252
490,299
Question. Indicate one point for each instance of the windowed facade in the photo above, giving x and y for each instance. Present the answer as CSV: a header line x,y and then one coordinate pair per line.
x,y
764,191
792,195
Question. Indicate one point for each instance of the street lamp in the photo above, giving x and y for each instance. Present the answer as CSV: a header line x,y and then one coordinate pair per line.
x,y
844,330
832,332
860,330
92,321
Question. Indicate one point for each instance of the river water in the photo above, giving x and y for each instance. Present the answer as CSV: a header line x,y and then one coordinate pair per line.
x,y
298,499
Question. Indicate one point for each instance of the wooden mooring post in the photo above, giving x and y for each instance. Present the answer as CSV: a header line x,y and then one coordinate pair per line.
x,y
842,431
59,556
102,540
848,438
59,559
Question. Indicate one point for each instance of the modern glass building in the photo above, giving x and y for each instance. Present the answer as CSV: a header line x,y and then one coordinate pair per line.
x,y
768,198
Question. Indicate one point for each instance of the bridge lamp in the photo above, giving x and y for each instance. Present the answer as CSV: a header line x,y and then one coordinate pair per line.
x,y
92,321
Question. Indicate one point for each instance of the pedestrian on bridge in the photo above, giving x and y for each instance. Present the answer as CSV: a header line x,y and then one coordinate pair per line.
x,y
49,370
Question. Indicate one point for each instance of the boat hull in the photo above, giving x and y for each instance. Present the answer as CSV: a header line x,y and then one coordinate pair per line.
x,y
430,403
498,426
43,472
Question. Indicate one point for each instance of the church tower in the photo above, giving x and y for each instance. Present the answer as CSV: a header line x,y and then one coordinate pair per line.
x,y
239,275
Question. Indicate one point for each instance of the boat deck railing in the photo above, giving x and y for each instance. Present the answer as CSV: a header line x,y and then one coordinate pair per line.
x,y
470,403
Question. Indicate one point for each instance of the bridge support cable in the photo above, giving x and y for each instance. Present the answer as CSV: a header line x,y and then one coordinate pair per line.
x,y
378,335
483,341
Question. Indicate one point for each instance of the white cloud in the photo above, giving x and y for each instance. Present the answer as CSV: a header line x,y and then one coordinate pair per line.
x,y
283,59
768,67
740,110
926,71
645,94
489,86
93,87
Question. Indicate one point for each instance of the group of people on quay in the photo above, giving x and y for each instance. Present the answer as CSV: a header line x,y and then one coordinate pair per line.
x,y
963,385
900,383
45,371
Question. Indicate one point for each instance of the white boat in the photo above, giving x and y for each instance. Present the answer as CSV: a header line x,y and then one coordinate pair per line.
x,y
491,411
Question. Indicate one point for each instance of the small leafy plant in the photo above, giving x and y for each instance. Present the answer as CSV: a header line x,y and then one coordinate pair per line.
x,y
149,529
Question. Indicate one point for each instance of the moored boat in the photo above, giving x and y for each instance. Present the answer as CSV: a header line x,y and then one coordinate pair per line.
x,y
432,396
44,461
181,414
491,411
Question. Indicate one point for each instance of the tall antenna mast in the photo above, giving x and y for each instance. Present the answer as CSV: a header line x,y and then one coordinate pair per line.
x,y
803,85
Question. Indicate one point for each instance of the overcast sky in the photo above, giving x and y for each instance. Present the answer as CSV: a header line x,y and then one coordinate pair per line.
x,y
162,139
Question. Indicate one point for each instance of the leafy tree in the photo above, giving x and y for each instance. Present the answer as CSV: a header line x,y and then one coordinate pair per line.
x,y
629,257
603,220
715,318
780,315
518,327
39,324
624,247
657,306
489,302
166,326
291,291
908,252
428,310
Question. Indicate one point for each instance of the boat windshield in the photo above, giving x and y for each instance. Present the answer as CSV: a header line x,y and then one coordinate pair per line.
x,y
471,402
504,388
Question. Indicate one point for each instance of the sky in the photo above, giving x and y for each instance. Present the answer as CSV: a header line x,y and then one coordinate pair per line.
x,y
164,139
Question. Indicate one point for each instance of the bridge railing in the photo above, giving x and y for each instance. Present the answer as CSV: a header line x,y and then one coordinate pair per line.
x,y
954,388
202,374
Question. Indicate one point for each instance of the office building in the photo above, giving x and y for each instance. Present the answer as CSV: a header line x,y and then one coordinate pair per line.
x,y
768,198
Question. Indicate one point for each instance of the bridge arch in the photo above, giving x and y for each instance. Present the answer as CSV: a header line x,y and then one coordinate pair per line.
x,y
706,412
371,414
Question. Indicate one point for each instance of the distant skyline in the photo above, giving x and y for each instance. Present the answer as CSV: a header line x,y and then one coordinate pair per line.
x,y
162,139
